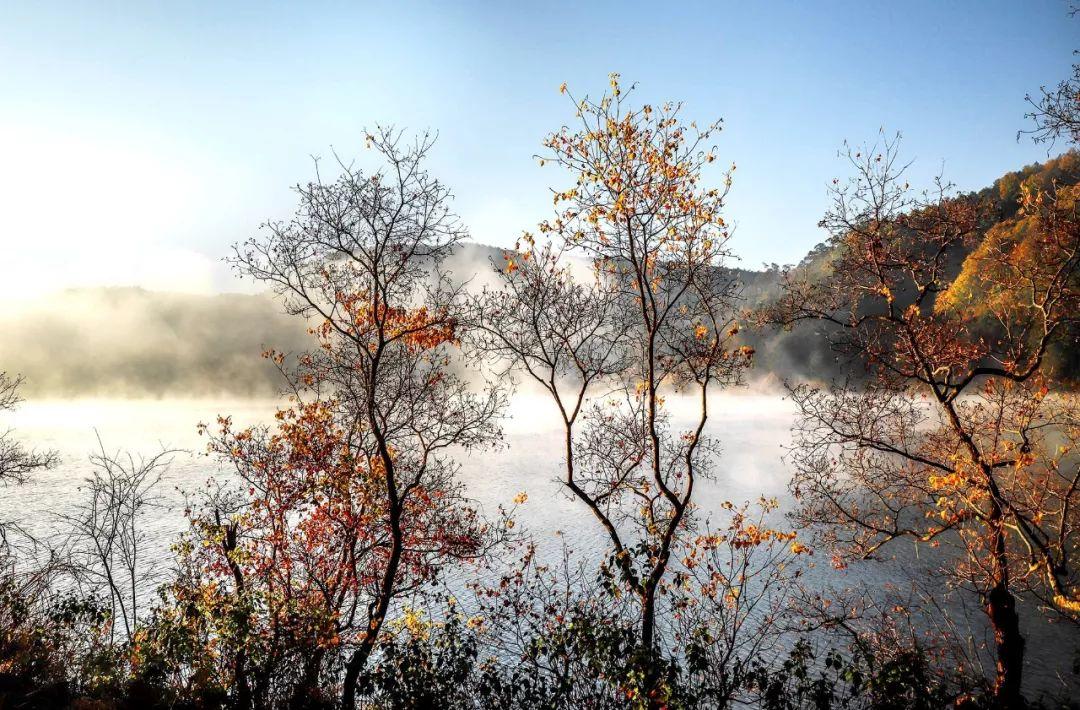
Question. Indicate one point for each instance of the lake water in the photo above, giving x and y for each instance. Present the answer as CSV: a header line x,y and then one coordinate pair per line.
x,y
753,429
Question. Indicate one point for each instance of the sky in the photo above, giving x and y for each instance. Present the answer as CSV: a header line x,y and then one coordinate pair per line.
x,y
139,140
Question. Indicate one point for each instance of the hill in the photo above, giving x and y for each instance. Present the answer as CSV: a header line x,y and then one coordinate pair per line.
x,y
802,353
134,342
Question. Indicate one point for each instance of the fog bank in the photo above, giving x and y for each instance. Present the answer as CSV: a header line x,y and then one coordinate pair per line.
x,y
126,342
132,342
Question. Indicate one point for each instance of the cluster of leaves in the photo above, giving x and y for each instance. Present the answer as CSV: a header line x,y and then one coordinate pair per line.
x,y
51,646
1003,218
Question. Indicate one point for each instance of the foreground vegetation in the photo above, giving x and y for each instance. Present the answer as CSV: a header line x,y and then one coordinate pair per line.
x,y
315,572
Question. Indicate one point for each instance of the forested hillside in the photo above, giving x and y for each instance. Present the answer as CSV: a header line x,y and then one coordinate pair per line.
x,y
802,354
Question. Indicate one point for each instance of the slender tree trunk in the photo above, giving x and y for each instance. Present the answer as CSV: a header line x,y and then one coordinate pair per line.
x,y
648,636
1001,609
648,617
360,657
648,602
244,699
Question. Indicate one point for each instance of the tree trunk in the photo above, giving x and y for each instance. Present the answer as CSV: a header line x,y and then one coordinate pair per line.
x,y
244,699
352,675
1001,609
648,618
360,657
650,671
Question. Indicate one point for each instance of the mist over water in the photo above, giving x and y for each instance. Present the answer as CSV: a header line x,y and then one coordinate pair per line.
x,y
529,459
127,342
752,429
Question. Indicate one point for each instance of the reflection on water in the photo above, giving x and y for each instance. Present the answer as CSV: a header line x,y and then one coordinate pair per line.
x,y
752,429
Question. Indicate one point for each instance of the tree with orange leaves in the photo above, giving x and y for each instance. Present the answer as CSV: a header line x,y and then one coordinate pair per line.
x,y
657,316
955,440
360,492
283,568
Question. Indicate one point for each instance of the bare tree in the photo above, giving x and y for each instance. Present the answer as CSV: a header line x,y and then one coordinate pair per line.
x,y
16,461
1055,112
570,337
109,541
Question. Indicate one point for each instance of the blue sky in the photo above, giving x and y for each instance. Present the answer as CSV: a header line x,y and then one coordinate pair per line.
x,y
138,140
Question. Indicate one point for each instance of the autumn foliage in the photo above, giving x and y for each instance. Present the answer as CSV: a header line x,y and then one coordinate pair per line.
x,y
335,560
955,439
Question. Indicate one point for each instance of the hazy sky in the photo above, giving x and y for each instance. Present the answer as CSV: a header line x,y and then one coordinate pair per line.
x,y
137,140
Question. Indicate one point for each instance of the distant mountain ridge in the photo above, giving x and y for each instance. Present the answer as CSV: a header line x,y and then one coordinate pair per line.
x,y
134,342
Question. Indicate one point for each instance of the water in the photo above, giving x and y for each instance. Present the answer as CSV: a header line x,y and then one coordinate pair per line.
x,y
753,429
